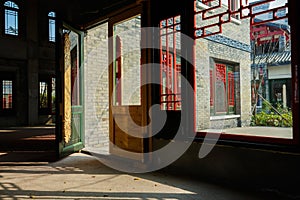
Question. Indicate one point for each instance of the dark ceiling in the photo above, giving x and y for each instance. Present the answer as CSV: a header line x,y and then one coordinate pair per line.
x,y
84,13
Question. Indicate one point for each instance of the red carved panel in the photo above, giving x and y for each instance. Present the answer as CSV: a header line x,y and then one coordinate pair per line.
x,y
208,21
221,73
231,88
170,68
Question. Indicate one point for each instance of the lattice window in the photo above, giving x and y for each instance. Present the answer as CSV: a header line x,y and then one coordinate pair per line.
x,y
212,91
7,94
209,21
223,89
231,98
220,88
170,92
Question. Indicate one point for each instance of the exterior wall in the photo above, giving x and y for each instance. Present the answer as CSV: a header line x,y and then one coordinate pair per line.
x,y
27,56
229,47
130,34
96,88
202,85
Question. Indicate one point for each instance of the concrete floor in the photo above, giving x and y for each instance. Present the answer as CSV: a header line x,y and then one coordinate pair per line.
x,y
29,170
81,176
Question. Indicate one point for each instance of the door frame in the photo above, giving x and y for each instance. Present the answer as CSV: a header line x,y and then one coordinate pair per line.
x,y
119,17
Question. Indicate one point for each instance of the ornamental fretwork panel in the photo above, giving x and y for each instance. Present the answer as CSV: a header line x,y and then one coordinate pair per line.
x,y
211,15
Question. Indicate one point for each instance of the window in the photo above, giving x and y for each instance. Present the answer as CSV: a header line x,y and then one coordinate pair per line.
x,y
224,87
127,62
7,105
47,95
170,82
11,18
44,103
170,62
51,17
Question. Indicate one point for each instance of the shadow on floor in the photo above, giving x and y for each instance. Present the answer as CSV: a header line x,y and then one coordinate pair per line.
x,y
27,144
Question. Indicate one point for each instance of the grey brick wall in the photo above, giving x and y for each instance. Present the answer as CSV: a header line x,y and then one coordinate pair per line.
x,y
96,87
96,82
208,49
130,34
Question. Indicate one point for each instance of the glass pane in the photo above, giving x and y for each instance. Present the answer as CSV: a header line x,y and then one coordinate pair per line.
x,y
51,30
127,61
74,61
11,22
72,114
44,95
7,94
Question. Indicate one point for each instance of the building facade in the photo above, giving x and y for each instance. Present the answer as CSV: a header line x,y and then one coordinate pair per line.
x,y
27,63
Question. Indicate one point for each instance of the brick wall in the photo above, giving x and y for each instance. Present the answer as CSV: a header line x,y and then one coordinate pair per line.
x,y
130,34
96,87
207,49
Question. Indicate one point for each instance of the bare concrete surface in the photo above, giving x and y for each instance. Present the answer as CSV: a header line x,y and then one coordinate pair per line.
x,y
81,176
264,131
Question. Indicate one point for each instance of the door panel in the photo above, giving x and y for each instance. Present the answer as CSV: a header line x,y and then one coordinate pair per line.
x,y
123,139
71,101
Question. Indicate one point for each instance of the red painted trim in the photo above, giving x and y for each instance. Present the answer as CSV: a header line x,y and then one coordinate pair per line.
x,y
219,17
212,96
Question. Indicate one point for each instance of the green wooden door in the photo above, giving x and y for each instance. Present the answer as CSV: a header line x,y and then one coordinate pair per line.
x,y
70,100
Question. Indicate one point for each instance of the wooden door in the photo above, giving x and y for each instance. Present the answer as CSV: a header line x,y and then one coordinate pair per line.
x,y
69,94
126,94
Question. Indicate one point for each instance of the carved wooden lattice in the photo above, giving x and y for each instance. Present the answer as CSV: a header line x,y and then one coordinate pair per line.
x,y
170,91
212,15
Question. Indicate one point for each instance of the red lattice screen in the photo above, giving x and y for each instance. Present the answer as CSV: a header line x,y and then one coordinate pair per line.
x,y
170,97
209,20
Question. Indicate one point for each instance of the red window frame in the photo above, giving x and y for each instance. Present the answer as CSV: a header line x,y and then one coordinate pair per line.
x,y
231,93
212,91
220,77
224,73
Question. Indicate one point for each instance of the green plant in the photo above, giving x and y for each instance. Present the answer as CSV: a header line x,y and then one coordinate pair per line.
x,y
281,118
